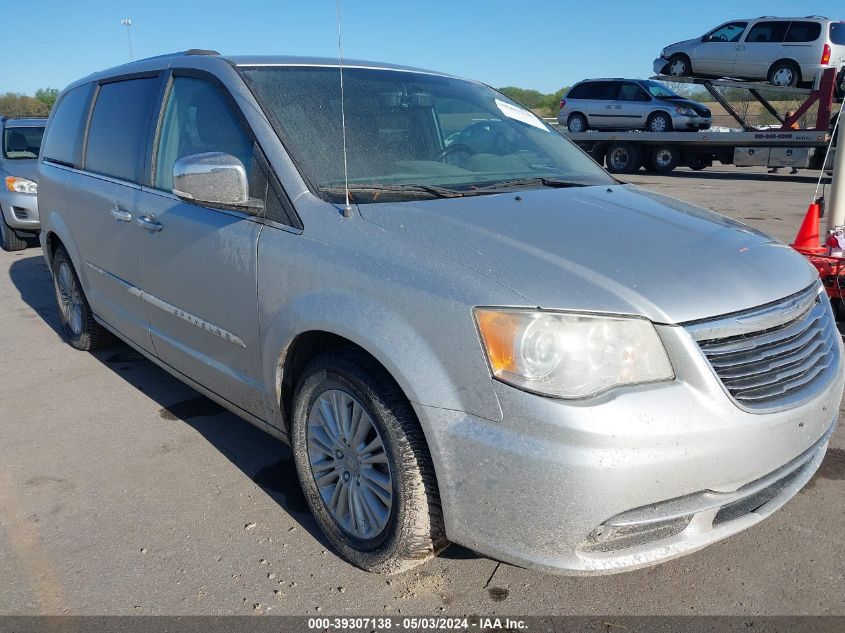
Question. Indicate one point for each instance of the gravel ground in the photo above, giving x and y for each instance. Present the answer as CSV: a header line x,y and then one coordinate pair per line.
x,y
123,491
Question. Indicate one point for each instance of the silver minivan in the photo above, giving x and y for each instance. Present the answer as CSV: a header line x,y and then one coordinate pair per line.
x,y
782,51
464,327
630,104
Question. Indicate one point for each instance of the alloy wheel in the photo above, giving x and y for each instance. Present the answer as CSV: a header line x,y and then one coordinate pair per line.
x,y
70,299
349,464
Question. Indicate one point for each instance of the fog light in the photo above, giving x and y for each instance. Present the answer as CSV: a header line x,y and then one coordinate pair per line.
x,y
608,538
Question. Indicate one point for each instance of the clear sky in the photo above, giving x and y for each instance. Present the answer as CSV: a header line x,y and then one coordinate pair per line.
x,y
540,45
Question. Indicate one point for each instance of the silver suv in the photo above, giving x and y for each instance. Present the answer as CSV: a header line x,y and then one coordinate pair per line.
x,y
782,51
451,343
21,142
630,104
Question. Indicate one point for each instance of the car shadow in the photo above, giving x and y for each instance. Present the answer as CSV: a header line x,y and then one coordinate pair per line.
x,y
264,459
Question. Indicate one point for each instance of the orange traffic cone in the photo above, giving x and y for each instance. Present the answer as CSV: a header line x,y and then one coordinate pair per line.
x,y
807,240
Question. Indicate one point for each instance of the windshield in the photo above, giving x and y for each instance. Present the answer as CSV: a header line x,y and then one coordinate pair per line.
x,y
411,130
660,91
22,142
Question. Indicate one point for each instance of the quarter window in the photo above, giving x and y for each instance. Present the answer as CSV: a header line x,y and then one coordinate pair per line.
x,y
803,32
197,119
117,137
837,33
63,142
767,33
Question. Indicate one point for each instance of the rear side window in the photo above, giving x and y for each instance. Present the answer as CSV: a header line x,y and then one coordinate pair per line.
x,y
837,33
803,32
579,92
117,137
595,90
63,142
767,33
197,119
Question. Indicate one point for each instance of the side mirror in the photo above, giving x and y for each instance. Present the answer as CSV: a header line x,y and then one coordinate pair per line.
x,y
214,179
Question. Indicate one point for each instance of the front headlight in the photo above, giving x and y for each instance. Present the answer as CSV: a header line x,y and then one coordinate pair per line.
x,y
569,355
21,185
685,111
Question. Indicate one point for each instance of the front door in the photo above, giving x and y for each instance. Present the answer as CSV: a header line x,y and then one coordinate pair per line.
x,y
198,262
717,51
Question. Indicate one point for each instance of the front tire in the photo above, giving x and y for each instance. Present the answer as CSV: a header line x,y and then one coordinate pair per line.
x,y
364,464
9,240
679,66
81,329
659,122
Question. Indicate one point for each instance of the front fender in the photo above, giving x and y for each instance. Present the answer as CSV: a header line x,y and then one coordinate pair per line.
x,y
397,343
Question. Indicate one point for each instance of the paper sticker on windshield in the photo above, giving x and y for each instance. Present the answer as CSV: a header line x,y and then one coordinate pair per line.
x,y
514,112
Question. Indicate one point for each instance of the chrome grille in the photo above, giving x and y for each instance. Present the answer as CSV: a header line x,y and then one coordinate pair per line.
x,y
776,356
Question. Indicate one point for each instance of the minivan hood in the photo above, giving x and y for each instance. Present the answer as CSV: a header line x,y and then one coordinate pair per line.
x,y
22,168
618,249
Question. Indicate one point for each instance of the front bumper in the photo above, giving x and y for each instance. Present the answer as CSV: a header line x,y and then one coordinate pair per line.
x,y
548,485
683,122
659,65
20,210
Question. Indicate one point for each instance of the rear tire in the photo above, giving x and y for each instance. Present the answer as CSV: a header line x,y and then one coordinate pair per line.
x,y
9,240
784,74
697,163
623,158
664,159
81,329
376,535
576,123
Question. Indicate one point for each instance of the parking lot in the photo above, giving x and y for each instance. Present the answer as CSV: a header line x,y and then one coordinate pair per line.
x,y
123,491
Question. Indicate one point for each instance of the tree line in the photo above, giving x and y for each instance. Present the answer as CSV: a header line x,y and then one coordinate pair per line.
x,y
16,104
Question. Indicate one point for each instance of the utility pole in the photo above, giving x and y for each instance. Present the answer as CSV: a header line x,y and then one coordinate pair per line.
x,y
128,23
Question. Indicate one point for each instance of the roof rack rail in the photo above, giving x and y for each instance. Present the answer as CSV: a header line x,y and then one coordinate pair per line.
x,y
200,51
821,17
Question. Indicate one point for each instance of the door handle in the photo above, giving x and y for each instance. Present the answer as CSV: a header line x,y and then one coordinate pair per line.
x,y
119,214
148,224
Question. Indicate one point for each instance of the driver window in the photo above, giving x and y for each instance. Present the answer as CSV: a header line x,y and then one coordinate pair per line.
x,y
198,119
730,32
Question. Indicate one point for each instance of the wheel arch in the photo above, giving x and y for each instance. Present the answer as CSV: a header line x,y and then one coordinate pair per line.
x,y
318,321
787,60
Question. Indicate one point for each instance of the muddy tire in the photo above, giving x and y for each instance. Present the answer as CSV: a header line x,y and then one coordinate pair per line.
x,y
364,464
81,329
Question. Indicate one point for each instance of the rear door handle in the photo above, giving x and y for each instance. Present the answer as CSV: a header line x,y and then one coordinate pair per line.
x,y
120,214
148,224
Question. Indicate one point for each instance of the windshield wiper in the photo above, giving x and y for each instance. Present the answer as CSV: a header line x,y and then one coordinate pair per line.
x,y
527,182
375,191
